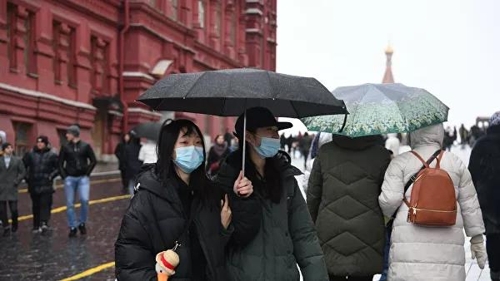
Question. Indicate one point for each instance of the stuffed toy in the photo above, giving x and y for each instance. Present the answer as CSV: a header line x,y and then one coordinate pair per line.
x,y
166,262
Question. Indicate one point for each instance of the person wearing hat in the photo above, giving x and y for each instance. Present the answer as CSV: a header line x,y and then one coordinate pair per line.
x,y
41,168
283,233
76,162
11,174
484,166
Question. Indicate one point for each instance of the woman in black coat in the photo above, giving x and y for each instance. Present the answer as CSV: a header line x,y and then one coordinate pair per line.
x,y
484,166
175,202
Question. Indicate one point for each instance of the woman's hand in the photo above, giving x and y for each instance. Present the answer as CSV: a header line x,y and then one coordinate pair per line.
x,y
225,212
242,186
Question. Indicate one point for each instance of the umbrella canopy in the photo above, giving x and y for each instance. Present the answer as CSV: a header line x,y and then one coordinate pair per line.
x,y
376,109
149,130
230,92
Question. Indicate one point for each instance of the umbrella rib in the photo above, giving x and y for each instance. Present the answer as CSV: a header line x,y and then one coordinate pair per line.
x,y
270,84
294,108
194,84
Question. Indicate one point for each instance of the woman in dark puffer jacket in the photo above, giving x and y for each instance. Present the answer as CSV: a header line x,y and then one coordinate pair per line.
x,y
175,202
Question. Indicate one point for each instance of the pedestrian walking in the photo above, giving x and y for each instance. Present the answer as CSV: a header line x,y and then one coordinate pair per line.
x,y
122,159
484,166
76,162
41,168
12,172
216,154
283,235
129,164
343,201
305,147
431,253
177,204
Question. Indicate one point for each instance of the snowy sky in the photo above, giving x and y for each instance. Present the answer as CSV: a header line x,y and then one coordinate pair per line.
x,y
449,47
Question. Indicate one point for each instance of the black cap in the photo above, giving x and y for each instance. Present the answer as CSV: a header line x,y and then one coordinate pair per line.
x,y
259,117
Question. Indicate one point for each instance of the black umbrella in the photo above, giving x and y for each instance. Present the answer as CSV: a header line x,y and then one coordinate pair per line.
x,y
149,130
230,92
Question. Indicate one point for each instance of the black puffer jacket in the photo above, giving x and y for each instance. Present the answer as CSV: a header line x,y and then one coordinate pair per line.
x,y
484,166
76,159
342,197
41,169
156,219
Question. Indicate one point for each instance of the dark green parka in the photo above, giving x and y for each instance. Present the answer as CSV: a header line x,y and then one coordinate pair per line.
x,y
286,235
342,197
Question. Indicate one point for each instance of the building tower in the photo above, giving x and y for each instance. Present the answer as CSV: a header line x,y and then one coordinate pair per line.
x,y
388,77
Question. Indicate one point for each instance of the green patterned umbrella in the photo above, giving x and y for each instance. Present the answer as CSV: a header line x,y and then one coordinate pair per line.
x,y
381,109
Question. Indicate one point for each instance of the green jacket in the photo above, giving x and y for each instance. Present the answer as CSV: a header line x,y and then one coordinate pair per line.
x,y
342,197
285,236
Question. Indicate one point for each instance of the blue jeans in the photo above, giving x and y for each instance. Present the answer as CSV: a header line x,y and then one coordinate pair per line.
x,y
388,232
131,185
82,186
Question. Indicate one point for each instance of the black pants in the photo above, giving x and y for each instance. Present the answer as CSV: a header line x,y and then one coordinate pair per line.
x,y
41,206
125,179
493,249
13,212
351,278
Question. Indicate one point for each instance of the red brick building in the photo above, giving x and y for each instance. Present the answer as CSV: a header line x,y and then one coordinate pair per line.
x,y
86,61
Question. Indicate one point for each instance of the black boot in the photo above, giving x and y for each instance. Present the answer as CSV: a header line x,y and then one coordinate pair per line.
x,y
44,228
82,228
72,232
6,231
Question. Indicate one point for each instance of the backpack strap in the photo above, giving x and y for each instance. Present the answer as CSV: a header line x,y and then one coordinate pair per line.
x,y
414,177
438,159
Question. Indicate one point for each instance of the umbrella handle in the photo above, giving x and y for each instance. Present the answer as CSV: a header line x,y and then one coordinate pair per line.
x,y
244,141
343,125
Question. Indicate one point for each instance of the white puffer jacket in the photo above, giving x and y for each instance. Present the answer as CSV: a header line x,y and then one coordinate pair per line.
x,y
424,253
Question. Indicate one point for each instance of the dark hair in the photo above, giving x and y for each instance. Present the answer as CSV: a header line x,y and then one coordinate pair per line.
x,y
5,145
169,133
272,176
218,136
133,139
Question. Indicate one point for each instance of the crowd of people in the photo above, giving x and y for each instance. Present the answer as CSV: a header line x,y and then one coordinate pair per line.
x,y
227,221
39,168
353,225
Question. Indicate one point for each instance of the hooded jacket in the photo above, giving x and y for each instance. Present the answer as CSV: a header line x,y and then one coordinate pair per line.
x,y
343,201
429,253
